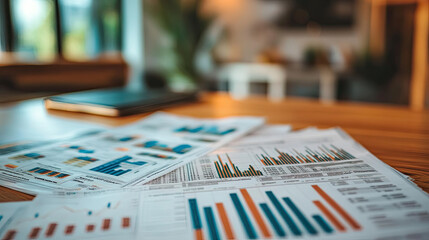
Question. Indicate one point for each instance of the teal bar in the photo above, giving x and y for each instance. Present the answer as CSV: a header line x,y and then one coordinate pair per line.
x,y
196,220
247,224
273,220
285,215
323,224
214,233
300,216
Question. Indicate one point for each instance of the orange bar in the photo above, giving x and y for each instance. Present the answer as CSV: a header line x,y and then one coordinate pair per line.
x,y
323,150
125,222
53,175
225,171
69,229
90,227
51,229
220,172
106,224
355,225
220,160
255,213
34,233
274,161
9,235
330,216
311,159
199,234
225,221
232,165
299,159
333,159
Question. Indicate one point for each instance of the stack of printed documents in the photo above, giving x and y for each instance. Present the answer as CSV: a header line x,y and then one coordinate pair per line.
x,y
173,177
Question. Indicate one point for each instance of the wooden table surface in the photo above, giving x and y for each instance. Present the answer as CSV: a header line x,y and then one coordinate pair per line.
x,y
395,134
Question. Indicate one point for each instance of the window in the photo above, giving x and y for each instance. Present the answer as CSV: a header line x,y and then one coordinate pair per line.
x,y
90,28
63,45
75,29
33,29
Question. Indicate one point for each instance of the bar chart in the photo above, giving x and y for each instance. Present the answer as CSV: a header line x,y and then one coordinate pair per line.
x,y
118,166
317,154
80,161
268,213
174,148
209,130
158,156
122,138
48,172
27,156
80,149
224,171
95,218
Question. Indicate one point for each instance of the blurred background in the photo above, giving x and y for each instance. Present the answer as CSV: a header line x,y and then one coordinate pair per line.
x,y
348,50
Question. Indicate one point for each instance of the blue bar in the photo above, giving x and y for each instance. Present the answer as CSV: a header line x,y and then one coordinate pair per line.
x,y
323,224
196,220
276,225
111,171
250,230
104,166
214,234
300,216
285,215
110,165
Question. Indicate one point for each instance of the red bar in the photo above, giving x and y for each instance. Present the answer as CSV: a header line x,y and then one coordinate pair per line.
x,y
9,235
106,224
349,219
125,222
69,229
51,229
90,227
34,233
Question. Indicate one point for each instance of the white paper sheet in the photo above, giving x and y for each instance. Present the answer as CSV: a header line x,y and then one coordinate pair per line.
x,y
107,216
322,185
129,155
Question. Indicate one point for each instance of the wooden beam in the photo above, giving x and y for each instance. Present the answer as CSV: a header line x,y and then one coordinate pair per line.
x,y
377,27
420,57
393,2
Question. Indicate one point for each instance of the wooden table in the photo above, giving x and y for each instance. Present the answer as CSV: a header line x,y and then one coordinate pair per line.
x,y
395,134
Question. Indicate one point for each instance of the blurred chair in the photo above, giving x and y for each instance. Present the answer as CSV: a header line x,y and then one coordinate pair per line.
x,y
241,75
